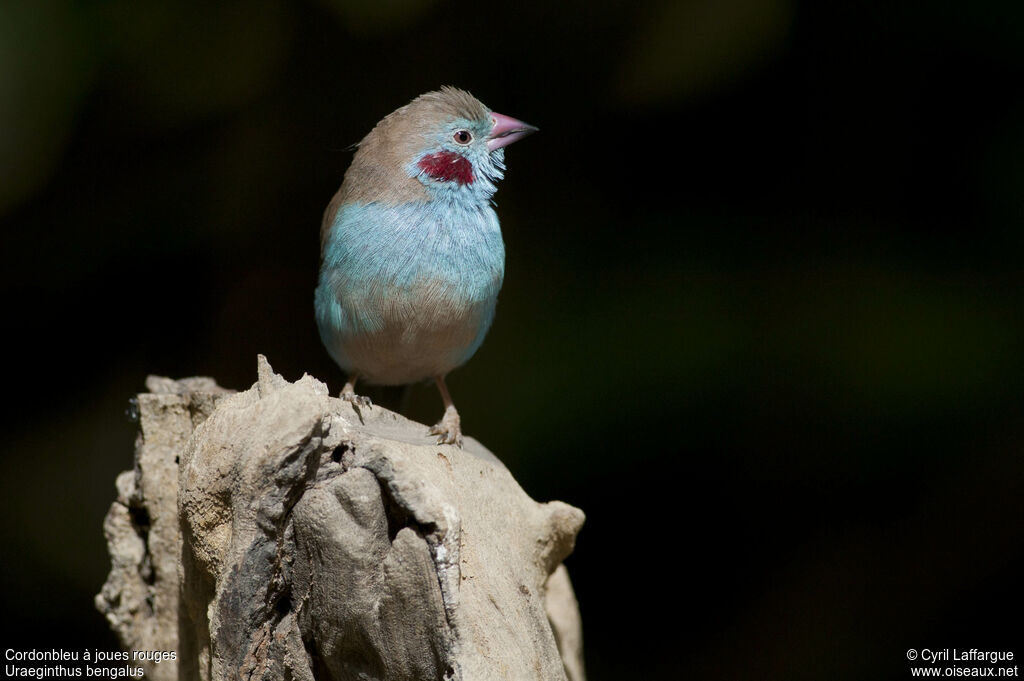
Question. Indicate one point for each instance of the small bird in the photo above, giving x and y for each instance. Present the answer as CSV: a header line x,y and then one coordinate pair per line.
x,y
411,257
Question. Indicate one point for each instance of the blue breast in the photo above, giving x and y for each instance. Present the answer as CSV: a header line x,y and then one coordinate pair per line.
x,y
408,291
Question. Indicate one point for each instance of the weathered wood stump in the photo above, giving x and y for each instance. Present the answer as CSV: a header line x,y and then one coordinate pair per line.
x,y
279,533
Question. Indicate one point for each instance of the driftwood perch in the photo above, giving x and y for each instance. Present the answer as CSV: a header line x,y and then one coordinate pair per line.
x,y
278,533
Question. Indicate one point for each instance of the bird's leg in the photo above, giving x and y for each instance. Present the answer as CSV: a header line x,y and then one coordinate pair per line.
x,y
449,428
348,393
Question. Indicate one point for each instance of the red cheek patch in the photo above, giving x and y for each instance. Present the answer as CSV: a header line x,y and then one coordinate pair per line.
x,y
447,166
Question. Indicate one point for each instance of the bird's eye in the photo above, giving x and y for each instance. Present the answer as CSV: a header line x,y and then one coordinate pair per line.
x,y
462,137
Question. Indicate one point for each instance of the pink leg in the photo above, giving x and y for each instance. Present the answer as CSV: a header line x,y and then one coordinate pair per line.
x,y
348,393
449,428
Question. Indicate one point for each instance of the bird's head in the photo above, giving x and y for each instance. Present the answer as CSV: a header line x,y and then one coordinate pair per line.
x,y
442,145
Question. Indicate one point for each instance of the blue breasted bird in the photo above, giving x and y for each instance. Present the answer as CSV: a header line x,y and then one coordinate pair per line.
x,y
411,254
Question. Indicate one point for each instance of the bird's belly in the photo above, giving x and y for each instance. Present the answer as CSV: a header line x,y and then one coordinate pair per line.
x,y
404,334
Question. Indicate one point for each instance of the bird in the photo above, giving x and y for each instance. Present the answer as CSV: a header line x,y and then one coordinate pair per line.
x,y
411,252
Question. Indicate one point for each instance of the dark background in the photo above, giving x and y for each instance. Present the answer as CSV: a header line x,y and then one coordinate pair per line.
x,y
761,319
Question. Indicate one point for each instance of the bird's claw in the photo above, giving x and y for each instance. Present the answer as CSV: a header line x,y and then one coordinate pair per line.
x,y
448,429
356,400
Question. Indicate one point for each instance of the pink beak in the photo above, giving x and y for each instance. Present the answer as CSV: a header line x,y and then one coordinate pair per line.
x,y
506,130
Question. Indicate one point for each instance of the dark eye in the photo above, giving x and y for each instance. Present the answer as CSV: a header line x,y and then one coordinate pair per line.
x,y
462,137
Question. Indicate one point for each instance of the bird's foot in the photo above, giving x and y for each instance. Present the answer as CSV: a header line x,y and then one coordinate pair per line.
x,y
448,429
356,400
